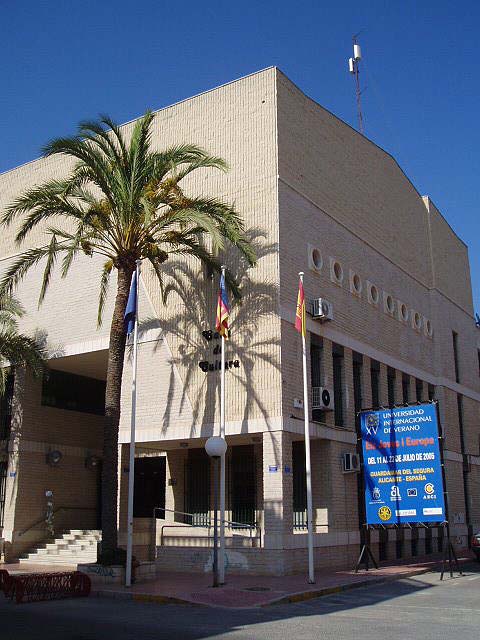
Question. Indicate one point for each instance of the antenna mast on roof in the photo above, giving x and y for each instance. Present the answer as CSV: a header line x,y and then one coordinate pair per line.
x,y
353,67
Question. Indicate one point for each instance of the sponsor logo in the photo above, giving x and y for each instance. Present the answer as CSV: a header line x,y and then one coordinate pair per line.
x,y
412,493
429,489
432,511
395,493
405,512
373,422
376,493
384,513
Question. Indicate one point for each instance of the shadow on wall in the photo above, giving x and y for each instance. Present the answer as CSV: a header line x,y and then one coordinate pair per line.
x,y
191,333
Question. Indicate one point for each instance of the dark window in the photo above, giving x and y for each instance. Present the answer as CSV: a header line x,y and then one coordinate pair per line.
x,y
455,355
243,484
357,381
419,390
72,392
316,349
337,354
149,486
299,485
431,392
6,408
478,356
405,388
375,382
3,483
197,487
391,386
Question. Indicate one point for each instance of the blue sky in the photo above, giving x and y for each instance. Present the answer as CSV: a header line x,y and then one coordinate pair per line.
x,y
63,61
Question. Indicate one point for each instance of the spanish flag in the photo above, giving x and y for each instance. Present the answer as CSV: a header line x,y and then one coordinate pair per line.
x,y
300,315
223,310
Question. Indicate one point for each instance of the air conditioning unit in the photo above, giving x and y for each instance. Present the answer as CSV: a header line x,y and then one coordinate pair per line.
x,y
322,398
350,462
322,309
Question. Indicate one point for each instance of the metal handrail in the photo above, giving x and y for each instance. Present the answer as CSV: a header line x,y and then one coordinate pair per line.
x,y
251,527
42,520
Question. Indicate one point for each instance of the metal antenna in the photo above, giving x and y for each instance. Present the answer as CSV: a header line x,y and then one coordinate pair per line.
x,y
353,67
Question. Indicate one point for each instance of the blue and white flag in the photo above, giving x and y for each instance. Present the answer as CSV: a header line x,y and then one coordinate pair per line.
x,y
131,309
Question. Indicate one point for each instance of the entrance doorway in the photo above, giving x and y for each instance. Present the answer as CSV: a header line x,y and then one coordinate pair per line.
x,y
149,490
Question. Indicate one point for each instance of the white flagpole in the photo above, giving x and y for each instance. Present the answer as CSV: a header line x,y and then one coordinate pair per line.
x,y
308,469
221,559
131,466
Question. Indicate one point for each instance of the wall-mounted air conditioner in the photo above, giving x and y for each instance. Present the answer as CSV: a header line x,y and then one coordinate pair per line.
x,y
350,462
322,398
322,309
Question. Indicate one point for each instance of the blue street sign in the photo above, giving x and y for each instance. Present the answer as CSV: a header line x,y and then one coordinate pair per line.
x,y
402,465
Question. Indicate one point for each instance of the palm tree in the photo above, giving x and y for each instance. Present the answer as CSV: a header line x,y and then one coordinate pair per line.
x,y
124,202
16,348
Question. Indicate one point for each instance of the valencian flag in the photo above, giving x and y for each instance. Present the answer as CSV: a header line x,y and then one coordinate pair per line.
x,y
131,309
300,315
223,310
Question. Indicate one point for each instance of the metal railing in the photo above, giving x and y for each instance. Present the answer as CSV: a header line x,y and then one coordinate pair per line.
x,y
229,524
55,511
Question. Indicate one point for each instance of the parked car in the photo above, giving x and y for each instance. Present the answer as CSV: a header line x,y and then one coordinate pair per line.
x,y
476,545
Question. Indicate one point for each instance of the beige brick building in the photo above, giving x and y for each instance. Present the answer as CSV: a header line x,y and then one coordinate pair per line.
x,y
317,197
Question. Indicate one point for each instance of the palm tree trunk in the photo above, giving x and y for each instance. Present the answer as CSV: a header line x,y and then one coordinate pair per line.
x,y
116,354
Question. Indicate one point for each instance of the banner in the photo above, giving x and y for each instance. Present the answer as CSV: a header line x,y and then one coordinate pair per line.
x,y
402,465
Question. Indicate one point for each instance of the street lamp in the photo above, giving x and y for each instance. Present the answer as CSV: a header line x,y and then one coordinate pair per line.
x,y
215,447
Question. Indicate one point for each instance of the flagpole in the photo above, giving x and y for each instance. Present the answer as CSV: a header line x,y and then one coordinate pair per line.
x,y
131,466
308,469
221,559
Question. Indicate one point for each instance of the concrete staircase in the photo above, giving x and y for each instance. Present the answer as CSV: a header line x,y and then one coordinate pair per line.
x,y
77,546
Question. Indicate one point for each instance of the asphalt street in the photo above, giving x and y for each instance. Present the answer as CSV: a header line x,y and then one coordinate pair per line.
x,y
420,608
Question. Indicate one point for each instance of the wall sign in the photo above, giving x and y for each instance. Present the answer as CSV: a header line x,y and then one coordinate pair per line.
x,y
402,465
216,365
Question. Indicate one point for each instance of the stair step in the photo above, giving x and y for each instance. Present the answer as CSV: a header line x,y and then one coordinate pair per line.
x,y
76,546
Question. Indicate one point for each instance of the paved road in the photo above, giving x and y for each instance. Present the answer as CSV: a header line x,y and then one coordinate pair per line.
x,y
418,608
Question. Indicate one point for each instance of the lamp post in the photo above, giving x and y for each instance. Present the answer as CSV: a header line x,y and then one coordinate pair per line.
x,y
216,448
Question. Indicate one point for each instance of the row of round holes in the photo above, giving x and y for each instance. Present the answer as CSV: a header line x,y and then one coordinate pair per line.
x,y
373,291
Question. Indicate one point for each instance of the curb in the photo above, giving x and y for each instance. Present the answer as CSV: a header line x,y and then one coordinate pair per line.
x,y
300,596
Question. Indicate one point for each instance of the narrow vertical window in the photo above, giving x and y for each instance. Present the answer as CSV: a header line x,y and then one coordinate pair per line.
x,y
391,386
405,388
357,381
431,392
337,354
419,390
316,350
455,355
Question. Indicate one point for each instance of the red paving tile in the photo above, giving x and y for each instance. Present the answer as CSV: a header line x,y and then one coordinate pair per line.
x,y
242,591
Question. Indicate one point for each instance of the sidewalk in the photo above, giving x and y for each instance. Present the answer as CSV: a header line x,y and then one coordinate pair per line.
x,y
242,591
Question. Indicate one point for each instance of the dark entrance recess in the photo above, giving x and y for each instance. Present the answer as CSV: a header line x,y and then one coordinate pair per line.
x,y
149,489
197,487
299,485
242,484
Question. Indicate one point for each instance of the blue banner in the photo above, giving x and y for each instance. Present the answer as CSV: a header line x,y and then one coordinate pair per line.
x,y
402,465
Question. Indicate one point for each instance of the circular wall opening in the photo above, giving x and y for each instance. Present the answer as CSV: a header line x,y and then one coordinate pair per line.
x,y
390,304
374,295
417,320
404,312
428,327
338,271
357,283
317,259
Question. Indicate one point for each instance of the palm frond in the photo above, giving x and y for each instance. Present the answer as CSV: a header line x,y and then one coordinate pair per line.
x,y
104,282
